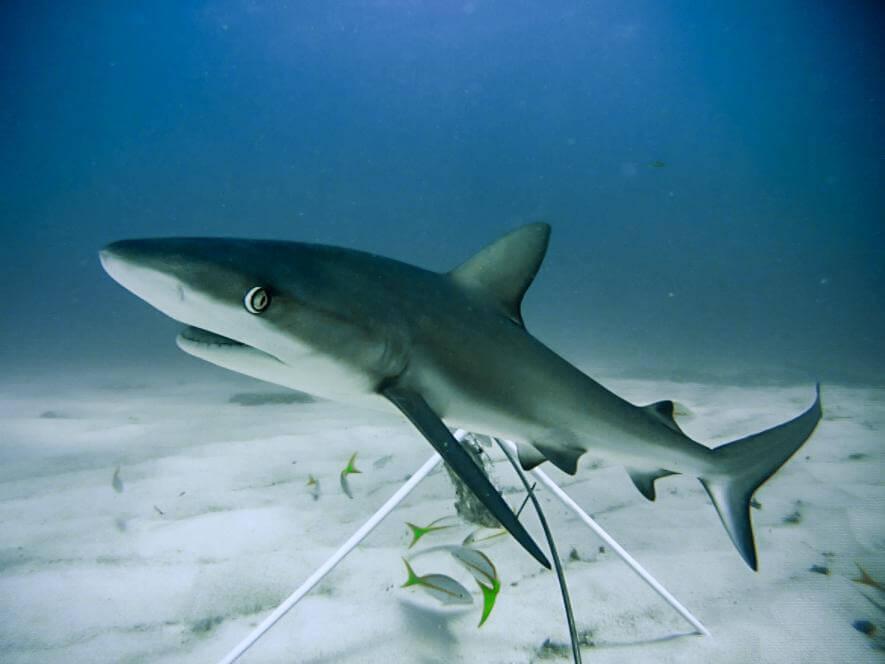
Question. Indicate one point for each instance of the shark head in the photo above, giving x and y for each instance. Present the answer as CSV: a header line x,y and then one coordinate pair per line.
x,y
271,310
345,324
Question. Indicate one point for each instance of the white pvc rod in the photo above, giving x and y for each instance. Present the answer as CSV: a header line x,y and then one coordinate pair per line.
x,y
336,557
617,548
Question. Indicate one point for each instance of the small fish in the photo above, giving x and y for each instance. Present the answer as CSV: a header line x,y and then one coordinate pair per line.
x,y
475,562
314,485
439,586
116,482
657,163
485,574
382,461
420,531
476,537
349,469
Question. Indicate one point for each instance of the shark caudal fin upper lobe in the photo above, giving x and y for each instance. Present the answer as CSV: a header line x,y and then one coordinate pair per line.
x,y
742,466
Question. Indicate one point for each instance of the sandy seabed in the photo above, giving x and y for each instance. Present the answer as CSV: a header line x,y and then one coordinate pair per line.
x,y
210,523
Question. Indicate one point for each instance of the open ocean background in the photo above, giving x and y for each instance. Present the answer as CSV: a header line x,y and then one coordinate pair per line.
x,y
713,171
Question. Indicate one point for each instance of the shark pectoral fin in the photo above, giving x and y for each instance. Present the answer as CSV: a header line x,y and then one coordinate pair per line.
x,y
505,269
663,411
645,480
413,406
564,458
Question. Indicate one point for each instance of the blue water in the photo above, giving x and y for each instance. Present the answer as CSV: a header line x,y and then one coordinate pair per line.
x,y
713,174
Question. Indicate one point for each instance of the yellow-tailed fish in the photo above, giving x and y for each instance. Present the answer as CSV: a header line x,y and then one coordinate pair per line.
x,y
420,531
439,586
475,562
482,569
314,485
349,469
483,535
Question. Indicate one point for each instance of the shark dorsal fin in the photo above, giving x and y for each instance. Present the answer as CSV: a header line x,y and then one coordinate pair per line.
x,y
505,269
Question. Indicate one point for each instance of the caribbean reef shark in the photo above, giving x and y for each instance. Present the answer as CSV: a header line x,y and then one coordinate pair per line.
x,y
444,349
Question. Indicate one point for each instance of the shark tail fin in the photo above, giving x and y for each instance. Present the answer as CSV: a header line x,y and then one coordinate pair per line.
x,y
742,466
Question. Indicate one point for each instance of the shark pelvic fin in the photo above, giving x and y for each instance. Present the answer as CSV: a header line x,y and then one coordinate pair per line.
x,y
742,466
506,268
564,458
413,406
645,480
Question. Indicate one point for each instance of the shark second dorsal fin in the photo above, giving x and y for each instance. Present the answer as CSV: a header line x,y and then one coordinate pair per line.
x,y
663,411
505,269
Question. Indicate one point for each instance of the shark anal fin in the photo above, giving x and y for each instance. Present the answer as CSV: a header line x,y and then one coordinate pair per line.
x,y
645,480
505,269
413,406
528,456
663,412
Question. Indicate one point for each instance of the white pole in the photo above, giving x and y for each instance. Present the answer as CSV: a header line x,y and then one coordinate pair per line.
x,y
336,557
617,548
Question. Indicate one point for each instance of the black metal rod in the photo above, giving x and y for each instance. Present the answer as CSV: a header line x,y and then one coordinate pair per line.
x,y
563,588
525,500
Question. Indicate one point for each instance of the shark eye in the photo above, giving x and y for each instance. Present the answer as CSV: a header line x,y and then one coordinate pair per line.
x,y
256,300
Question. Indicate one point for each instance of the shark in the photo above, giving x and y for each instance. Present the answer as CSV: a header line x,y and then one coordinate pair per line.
x,y
444,349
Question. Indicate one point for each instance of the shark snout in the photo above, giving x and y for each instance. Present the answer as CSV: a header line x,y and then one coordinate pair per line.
x,y
125,259
113,259
175,275
132,252
143,267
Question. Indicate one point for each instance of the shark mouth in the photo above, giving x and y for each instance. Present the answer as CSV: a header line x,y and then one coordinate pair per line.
x,y
223,351
201,337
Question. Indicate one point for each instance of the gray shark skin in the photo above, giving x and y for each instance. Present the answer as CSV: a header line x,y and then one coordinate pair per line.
x,y
437,347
